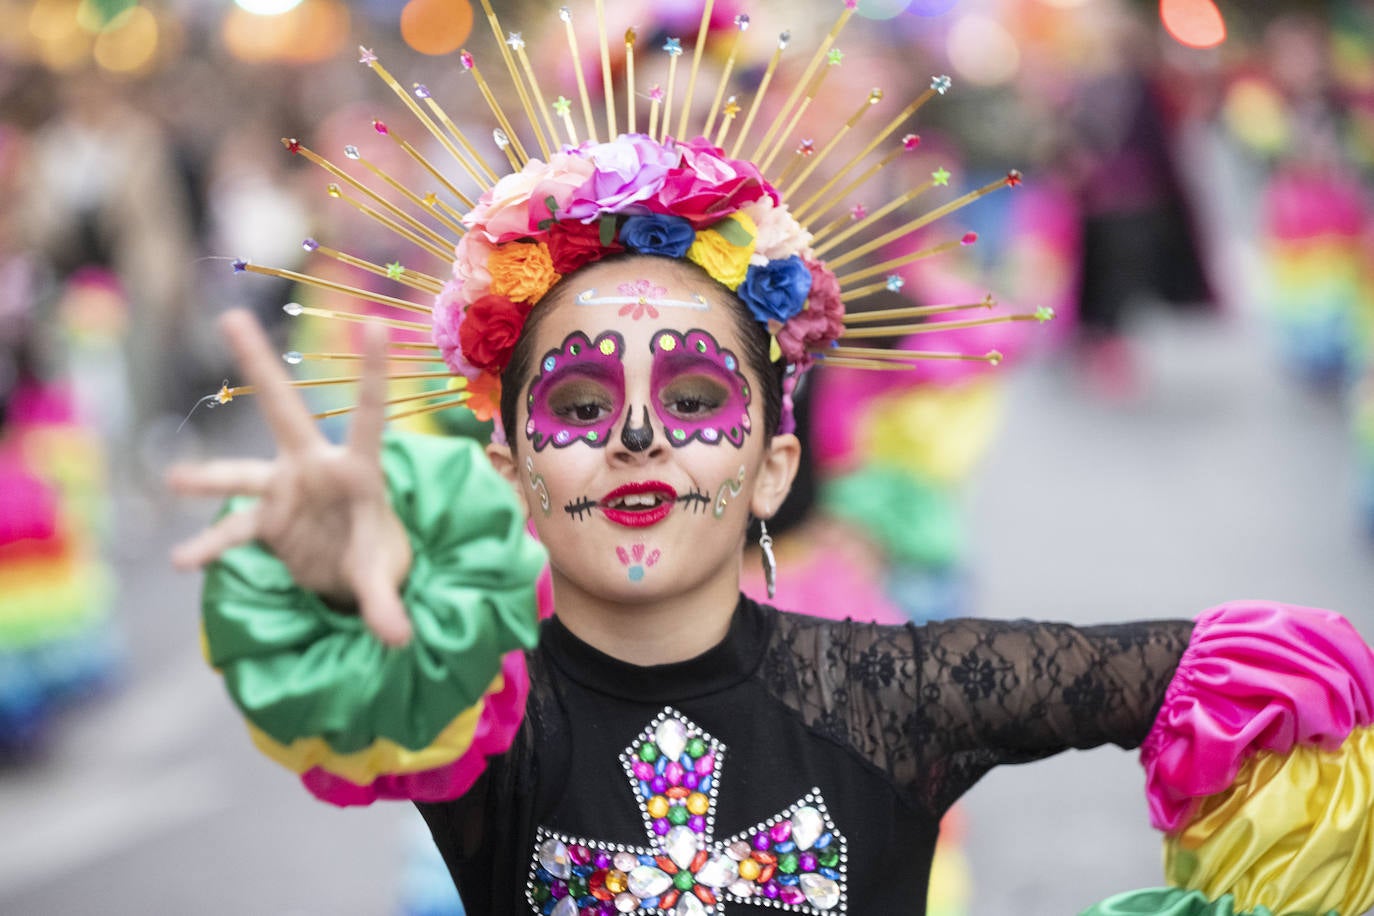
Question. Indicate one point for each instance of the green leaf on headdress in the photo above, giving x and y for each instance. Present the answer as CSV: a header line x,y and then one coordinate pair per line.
x,y
552,203
607,230
733,231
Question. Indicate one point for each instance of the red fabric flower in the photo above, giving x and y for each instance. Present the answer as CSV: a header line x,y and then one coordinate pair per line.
x,y
819,324
489,330
707,187
573,244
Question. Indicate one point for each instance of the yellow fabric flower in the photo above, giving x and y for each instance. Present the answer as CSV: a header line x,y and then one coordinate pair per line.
x,y
723,250
521,271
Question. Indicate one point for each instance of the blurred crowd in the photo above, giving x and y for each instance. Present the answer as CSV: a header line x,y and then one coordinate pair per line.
x,y
134,170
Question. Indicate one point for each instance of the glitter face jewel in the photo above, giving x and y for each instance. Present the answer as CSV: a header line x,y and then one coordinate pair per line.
x,y
537,485
637,438
637,560
579,392
795,860
728,491
640,298
698,389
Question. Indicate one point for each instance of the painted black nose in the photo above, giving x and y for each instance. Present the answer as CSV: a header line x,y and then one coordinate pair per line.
x,y
637,438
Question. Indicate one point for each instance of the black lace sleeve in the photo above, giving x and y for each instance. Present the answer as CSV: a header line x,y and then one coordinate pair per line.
x,y
936,707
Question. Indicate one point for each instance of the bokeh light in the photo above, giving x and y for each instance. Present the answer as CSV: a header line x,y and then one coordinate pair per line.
x,y
931,7
129,43
1195,23
882,9
267,7
436,26
982,50
316,30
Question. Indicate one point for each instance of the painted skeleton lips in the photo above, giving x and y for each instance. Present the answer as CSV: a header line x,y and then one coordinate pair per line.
x,y
638,505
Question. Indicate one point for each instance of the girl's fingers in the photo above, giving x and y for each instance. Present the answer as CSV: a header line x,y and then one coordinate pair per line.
x,y
221,478
365,433
234,529
286,413
380,604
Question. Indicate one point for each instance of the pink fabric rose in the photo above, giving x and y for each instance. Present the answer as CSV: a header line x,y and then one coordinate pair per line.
x,y
447,315
470,267
626,173
819,324
518,203
707,187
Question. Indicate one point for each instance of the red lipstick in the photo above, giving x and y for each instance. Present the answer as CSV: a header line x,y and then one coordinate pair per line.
x,y
639,505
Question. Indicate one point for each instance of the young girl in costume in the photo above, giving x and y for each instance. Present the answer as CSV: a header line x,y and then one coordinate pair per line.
x,y
637,311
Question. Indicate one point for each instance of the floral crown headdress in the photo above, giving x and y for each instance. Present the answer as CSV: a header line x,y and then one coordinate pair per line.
x,y
772,241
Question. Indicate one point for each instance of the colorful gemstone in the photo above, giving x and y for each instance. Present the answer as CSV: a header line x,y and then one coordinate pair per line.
x,y
780,831
681,844
821,892
749,870
626,903
807,827
792,896
683,880
718,871
697,803
648,881
673,773
565,907
678,815
625,861
657,807
689,906
553,858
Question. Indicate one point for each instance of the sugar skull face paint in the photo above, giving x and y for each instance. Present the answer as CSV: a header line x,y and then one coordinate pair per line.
x,y
698,389
537,484
728,491
637,560
579,392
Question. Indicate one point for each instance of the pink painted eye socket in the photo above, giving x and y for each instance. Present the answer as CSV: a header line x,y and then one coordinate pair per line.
x,y
580,401
578,393
693,397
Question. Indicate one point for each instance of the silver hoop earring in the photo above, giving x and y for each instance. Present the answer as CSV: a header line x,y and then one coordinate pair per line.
x,y
770,563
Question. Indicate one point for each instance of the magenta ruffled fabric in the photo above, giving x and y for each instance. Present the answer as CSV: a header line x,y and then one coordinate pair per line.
x,y
1256,676
497,725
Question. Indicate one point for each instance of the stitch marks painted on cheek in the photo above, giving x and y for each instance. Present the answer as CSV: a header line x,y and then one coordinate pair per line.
x,y
699,389
579,392
637,560
580,509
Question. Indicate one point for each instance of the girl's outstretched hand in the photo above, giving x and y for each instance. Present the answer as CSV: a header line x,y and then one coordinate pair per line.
x,y
322,509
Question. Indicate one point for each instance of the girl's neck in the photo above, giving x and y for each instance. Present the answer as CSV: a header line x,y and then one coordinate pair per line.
x,y
666,630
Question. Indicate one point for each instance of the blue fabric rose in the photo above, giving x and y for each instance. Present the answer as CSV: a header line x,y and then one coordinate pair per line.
x,y
777,290
656,233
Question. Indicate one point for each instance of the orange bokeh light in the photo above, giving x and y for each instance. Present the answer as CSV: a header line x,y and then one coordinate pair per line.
x,y
436,26
1195,23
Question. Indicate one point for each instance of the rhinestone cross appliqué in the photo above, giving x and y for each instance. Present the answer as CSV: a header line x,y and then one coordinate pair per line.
x,y
795,861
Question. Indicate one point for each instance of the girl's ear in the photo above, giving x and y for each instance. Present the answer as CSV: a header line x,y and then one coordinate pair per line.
x,y
774,482
502,457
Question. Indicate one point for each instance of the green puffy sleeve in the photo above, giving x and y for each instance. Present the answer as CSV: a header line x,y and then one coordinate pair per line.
x,y
326,698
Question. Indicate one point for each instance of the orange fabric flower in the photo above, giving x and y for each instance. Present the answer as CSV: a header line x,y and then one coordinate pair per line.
x,y
521,271
484,396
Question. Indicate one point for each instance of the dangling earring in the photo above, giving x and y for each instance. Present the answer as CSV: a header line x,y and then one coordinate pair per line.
x,y
770,563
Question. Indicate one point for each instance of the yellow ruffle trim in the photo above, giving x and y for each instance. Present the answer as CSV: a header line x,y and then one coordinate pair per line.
x,y
382,756
1294,833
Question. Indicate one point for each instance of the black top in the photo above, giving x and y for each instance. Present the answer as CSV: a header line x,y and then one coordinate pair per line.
x,y
802,762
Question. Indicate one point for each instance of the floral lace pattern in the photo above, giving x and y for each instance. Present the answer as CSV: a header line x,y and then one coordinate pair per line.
x,y
935,707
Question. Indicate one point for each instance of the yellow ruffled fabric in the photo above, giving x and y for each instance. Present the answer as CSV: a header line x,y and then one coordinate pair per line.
x,y
1294,833
934,433
382,756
